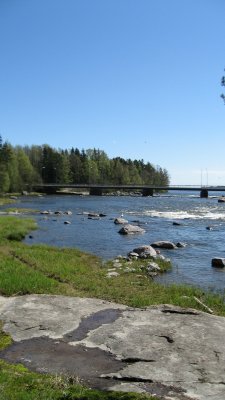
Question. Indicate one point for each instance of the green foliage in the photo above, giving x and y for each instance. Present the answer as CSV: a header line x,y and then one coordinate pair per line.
x,y
4,181
5,340
23,166
223,84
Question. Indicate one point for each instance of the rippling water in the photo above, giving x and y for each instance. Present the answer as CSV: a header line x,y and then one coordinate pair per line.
x,y
191,265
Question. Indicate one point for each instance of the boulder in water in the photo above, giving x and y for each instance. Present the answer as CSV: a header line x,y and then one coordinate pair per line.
x,y
164,244
131,230
218,262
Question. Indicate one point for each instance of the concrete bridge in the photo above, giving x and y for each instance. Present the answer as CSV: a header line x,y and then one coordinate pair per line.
x,y
147,190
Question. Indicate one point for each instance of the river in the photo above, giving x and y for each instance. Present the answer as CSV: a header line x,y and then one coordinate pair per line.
x,y
191,264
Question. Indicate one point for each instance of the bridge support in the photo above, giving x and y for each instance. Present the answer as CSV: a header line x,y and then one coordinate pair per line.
x,y
95,192
47,190
147,192
204,193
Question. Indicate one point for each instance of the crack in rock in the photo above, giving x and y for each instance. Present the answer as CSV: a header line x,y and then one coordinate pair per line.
x,y
31,327
133,360
127,378
174,311
168,338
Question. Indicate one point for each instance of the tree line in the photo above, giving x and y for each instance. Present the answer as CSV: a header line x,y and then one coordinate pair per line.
x,y
23,166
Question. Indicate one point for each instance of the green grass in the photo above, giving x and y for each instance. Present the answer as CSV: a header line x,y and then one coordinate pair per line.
x,y
12,228
17,383
21,210
6,200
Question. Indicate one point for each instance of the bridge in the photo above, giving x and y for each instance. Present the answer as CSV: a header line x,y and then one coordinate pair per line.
x,y
147,190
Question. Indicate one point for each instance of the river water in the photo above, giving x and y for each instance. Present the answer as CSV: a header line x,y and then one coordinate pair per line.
x,y
191,264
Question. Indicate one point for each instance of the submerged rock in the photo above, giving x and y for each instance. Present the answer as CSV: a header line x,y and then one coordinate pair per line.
x,y
164,244
180,244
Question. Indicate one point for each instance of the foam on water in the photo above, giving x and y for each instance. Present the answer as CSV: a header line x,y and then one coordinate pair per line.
x,y
198,213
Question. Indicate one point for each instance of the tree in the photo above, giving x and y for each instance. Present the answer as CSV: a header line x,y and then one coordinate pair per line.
x,y
223,84
25,169
4,181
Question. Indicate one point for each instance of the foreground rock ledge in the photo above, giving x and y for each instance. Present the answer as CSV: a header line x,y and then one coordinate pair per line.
x,y
172,352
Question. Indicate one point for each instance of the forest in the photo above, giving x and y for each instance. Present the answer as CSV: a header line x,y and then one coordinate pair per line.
x,y
23,166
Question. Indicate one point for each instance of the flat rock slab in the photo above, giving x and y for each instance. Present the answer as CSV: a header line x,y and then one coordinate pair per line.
x,y
172,352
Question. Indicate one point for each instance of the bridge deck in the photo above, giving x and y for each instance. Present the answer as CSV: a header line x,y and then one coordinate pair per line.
x,y
128,187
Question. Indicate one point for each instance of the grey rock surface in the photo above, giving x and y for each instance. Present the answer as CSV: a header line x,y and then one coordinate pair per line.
x,y
145,249
172,352
119,221
131,229
164,244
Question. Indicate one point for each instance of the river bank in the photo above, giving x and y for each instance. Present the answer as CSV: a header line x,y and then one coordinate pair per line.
x,y
198,223
28,270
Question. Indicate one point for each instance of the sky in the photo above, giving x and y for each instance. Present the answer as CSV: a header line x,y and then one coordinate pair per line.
x,y
139,79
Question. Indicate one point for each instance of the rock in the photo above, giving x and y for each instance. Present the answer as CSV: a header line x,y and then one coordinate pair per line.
x,y
93,215
164,245
102,215
132,254
161,257
152,274
128,269
145,250
137,221
117,264
13,197
209,228
24,193
131,230
58,213
221,200
180,244
45,212
112,274
31,237
146,254
67,222
164,351
68,212
121,221
218,262
153,267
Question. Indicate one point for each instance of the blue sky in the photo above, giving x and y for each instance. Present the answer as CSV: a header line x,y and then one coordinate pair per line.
x,y
138,79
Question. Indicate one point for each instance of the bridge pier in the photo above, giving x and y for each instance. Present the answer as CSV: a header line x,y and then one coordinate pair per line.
x,y
94,191
204,194
147,192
